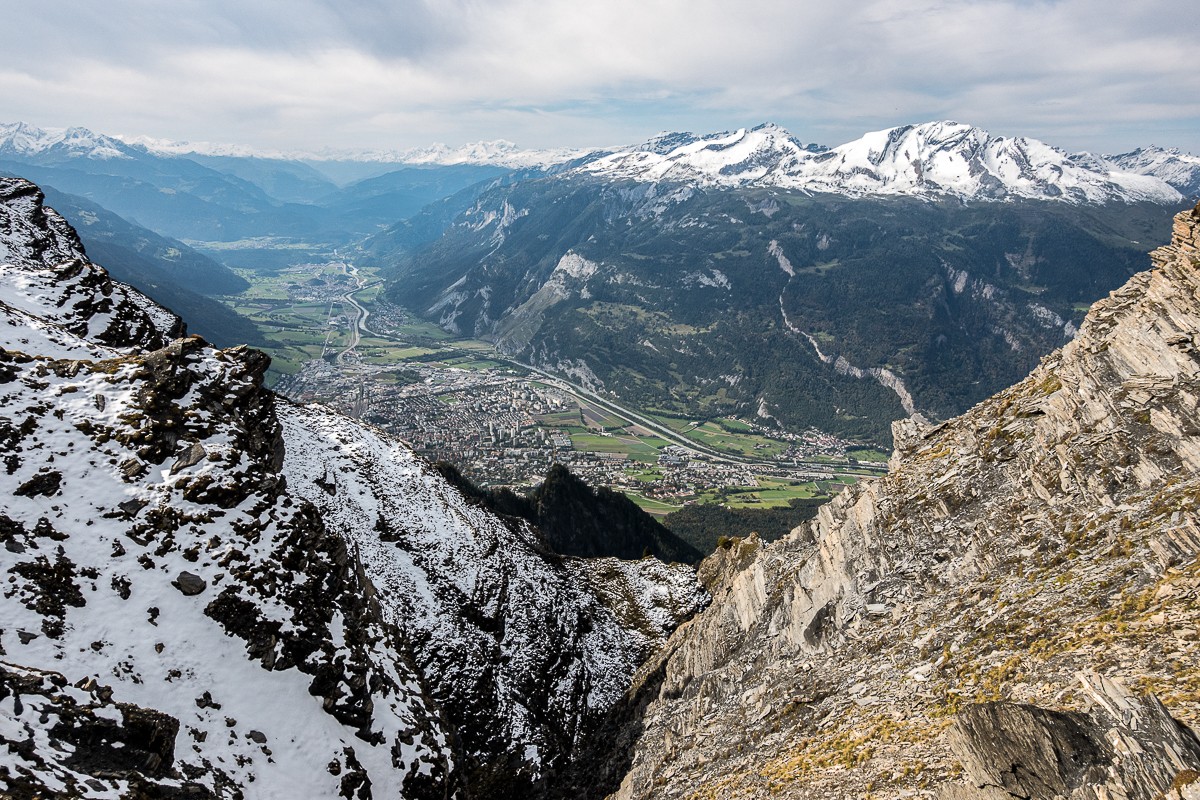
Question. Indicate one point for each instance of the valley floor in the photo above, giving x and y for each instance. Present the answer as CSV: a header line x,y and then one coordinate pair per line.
x,y
335,341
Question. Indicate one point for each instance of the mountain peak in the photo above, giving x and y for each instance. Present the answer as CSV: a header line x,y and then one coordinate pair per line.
x,y
23,139
923,159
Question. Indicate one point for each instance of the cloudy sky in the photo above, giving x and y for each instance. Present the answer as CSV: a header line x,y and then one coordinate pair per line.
x,y
305,74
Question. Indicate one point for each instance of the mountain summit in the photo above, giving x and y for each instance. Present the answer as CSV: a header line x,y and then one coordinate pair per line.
x,y
26,141
929,159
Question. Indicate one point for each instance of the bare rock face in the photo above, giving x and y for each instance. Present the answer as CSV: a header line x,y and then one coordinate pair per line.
x,y
1050,531
1124,747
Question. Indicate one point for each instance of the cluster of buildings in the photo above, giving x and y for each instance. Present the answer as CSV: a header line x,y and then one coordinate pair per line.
x,y
505,429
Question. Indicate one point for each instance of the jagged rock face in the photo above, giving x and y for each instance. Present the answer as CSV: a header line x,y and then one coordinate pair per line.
x,y
107,512
208,591
1049,531
1125,746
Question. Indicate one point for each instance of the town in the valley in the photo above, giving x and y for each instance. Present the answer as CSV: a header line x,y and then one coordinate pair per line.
x,y
504,424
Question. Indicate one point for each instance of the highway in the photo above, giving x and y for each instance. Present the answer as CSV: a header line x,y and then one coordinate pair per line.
x,y
672,436
358,327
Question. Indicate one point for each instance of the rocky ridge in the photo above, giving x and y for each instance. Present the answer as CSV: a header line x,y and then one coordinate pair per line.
x,y
984,617
209,591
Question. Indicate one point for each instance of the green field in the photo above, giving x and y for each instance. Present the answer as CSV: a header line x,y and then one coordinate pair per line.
x,y
770,493
654,508
560,419
637,448
711,434
864,454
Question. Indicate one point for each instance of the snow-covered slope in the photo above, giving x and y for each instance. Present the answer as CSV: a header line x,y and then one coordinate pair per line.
x,y
764,156
933,158
1180,170
209,591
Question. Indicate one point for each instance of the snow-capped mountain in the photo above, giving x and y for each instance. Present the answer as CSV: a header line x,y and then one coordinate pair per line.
x,y
765,156
212,592
26,141
929,159
1180,170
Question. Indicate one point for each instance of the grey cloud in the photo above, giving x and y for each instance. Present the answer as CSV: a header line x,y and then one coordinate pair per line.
x,y
1080,73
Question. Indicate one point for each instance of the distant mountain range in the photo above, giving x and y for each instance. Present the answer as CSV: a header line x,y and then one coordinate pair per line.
x,y
931,158
918,268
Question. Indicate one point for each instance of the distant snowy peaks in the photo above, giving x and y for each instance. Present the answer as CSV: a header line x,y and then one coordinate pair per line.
x,y
957,159
23,140
1181,170
169,147
928,159
499,152
765,155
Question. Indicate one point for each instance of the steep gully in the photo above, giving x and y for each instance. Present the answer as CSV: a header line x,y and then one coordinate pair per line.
x,y
885,377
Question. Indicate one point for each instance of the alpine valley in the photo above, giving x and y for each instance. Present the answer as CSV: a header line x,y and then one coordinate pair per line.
x,y
211,591
916,270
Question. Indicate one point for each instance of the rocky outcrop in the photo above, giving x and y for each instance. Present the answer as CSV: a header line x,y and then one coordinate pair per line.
x,y
1125,747
1050,531
209,591
57,284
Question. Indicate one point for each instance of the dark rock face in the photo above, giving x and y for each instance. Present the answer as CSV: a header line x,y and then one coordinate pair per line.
x,y
106,741
577,520
1125,747
1029,751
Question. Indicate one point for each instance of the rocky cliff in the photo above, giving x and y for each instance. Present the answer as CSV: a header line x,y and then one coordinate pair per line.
x,y
992,620
207,591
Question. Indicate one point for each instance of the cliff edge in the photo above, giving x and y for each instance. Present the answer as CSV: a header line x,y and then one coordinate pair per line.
x,y
1000,617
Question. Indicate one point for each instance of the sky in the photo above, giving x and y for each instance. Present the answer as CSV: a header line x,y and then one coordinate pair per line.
x,y
1097,75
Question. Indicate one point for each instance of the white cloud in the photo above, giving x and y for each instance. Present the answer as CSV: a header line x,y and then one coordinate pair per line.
x,y
1079,73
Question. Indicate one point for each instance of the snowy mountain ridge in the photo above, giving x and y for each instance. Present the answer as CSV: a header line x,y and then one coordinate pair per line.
x,y
21,139
500,152
928,159
1181,170
212,592
940,158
